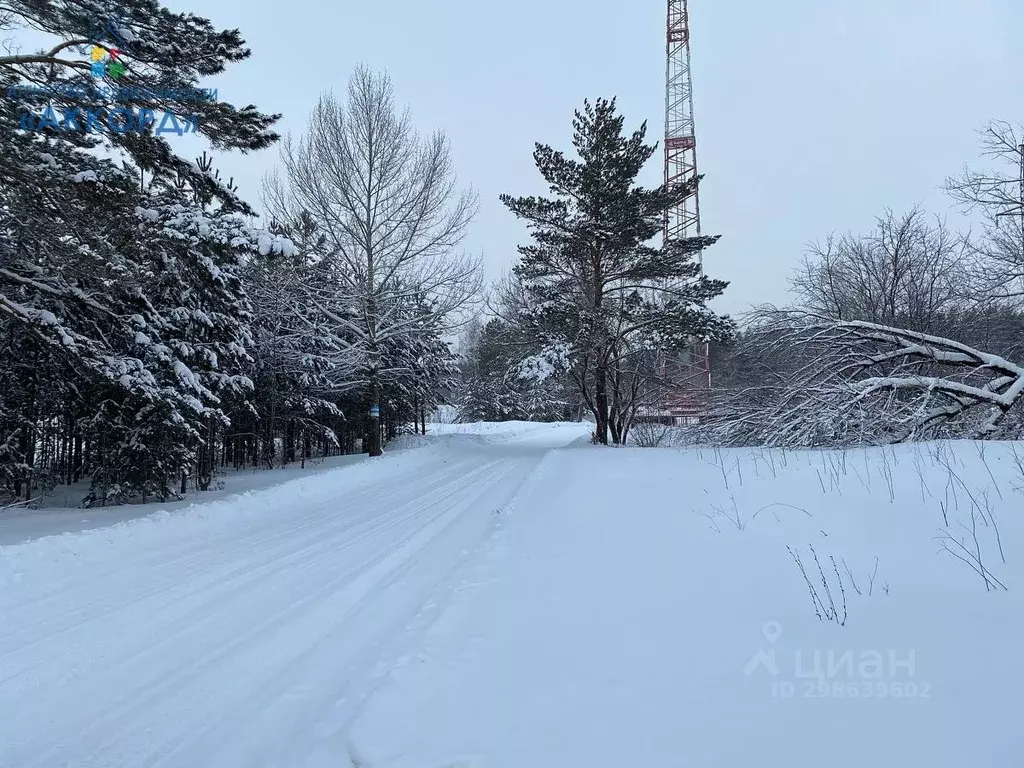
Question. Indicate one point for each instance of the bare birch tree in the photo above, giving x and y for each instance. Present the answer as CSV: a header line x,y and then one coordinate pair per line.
x,y
391,217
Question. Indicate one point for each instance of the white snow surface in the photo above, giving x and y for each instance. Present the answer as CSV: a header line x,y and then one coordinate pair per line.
x,y
617,618
243,632
61,510
509,595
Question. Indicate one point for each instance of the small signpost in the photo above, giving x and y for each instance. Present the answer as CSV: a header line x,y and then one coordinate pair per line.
x,y
374,430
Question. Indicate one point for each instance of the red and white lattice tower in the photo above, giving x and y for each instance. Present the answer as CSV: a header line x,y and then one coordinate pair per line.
x,y
680,136
689,373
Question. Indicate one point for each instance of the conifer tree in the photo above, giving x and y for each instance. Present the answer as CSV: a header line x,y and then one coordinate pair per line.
x,y
165,62
596,289
120,279
490,390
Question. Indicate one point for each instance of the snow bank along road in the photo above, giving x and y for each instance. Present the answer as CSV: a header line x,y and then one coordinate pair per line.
x,y
244,632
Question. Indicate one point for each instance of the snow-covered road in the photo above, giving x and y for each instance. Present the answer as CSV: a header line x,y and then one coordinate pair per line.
x,y
486,601
244,632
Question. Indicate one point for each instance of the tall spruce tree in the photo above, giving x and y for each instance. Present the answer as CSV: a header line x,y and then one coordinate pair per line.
x,y
597,291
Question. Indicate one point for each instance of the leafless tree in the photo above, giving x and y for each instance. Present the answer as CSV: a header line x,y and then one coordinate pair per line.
x,y
906,332
391,217
998,264
997,193
908,271
998,188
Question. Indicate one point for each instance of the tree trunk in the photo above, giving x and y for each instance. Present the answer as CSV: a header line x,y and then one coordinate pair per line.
x,y
207,456
76,462
289,442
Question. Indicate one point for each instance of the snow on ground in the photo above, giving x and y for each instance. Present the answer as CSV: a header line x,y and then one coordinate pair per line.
x,y
61,510
243,632
504,431
498,596
640,608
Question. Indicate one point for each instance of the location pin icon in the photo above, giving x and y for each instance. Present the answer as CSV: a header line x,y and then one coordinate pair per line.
x,y
772,631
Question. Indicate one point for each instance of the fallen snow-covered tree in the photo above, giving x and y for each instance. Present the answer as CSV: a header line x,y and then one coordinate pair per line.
x,y
966,379
855,382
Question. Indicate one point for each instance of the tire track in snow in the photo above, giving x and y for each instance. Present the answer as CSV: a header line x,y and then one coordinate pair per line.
x,y
324,624
212,586
275,619
233,653
193,550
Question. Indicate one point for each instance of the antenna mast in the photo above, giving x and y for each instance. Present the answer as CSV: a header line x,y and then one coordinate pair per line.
x,y
688,375
680,137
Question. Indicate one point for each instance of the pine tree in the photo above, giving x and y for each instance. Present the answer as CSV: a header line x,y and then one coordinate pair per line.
x,y
596,290
489,388
166,56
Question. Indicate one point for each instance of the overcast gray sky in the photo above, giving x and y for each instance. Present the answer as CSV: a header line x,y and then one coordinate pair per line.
x,y
812,115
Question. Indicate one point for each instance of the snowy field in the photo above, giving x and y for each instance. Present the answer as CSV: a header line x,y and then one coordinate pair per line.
x,y
508,595
640,608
